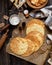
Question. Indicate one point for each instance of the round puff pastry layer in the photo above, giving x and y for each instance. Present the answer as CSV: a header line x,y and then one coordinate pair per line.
x,y
31,48
37,35
37,38
20,46
35,25
35,42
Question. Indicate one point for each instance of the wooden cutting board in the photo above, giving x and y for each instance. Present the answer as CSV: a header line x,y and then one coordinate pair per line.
x,y
36,58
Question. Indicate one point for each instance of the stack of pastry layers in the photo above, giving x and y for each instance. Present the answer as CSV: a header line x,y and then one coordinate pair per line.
x,y
33,40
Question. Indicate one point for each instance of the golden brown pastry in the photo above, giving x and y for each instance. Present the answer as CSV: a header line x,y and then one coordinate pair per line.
x,y
35,36
37,3
35,25
20,46
34,1
35,41
42,1
30,50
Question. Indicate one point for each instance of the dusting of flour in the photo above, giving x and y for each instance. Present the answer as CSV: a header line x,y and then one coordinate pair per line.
x,y
14,20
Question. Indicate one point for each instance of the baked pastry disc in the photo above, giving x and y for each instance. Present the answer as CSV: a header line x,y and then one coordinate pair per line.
x,y
31,48
36,7
18,45
35,25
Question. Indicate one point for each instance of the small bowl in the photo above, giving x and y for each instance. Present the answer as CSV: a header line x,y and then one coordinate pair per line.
x,y
14,19
36,7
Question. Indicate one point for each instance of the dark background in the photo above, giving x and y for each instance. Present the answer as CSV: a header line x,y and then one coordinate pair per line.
x,y
6,59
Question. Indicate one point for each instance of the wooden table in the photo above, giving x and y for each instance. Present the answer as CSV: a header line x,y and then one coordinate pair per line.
x,y
6,59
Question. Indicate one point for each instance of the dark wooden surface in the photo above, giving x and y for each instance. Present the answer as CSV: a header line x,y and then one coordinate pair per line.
x,y
6,59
